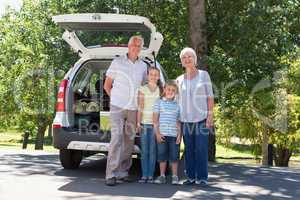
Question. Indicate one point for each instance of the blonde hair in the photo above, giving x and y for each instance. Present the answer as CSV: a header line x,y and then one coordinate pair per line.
x,y
170,84
188,49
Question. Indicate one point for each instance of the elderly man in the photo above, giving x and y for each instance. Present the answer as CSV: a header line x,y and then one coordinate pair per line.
x,y
123,78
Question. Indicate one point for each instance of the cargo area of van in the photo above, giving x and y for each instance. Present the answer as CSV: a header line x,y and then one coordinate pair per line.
x,y
81,125
90,103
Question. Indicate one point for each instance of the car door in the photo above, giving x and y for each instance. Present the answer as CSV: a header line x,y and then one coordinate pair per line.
x,y
76,25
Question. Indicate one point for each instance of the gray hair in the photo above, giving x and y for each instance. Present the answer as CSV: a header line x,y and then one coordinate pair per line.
x,y
188,49
136,37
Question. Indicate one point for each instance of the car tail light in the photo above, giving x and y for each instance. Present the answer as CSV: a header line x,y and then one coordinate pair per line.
x,y
56,126
61,96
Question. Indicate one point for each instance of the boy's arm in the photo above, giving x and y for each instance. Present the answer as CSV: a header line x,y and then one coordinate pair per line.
x,y
140,111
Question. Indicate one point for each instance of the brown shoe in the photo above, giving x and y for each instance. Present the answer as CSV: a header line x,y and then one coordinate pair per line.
x,y
111,181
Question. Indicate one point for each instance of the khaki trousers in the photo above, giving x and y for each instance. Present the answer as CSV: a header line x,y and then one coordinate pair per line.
x,y
123,128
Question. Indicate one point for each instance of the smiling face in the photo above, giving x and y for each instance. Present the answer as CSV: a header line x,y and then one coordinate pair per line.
x,y
188,59
153,76
170,91
134,48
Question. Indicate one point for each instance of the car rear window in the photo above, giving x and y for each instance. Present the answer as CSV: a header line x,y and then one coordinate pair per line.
x,y
96,38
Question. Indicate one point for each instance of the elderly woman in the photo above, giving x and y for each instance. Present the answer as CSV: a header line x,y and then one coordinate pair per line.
x,y
196,114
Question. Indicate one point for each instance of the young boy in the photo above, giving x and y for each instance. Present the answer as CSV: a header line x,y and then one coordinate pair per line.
x,y
167,129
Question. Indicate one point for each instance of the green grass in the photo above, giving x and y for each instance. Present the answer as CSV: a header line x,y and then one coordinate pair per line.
x,y
226,152
10,136
234,153
12,139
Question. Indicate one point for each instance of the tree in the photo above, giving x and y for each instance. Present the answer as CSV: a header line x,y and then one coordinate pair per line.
x,y
247,41
32,53
289,141
34,56
197,26
198,41
246,44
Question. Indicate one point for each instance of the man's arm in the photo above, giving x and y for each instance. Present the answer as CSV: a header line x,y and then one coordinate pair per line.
x,y
108,85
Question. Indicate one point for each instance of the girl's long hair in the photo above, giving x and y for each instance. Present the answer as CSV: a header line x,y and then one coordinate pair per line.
x,y
159,83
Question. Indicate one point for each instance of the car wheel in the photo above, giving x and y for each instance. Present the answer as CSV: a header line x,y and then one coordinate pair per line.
x,y
70,159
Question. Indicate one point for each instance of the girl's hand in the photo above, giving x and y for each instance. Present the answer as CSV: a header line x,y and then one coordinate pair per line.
x,y
160,138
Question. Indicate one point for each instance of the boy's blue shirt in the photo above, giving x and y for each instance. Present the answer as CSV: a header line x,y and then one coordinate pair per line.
x,y
168,116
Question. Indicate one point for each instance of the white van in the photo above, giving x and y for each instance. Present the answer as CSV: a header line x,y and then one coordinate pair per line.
x,y
81,124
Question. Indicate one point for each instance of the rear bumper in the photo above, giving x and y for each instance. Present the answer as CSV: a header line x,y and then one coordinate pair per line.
x,y
65,138
62,137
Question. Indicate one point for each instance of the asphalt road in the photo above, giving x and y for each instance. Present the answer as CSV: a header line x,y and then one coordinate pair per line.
x,y
39,175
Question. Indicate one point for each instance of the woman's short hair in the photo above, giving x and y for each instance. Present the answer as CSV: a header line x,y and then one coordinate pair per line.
x,y
188,49
136,37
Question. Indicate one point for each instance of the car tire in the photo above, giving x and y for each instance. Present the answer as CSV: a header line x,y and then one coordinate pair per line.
x,y
70,159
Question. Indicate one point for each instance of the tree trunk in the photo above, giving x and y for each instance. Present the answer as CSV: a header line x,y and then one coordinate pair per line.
x,y
198,41
197,27
264,147
39,141
50,131
212,146
25,139
282,156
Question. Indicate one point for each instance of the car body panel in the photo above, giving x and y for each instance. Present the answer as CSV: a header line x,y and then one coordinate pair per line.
x,y
67,136
109,22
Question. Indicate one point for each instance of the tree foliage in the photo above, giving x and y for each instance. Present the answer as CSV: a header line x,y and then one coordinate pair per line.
x,y
32,55
249,44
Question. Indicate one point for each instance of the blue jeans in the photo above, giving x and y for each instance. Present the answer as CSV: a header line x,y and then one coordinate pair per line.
x,y
168,150
195,137
148,150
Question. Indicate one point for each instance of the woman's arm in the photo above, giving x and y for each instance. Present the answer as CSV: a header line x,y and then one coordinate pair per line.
x,y
210,100
210,116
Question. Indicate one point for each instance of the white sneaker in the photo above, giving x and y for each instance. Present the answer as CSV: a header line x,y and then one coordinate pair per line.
x,y
160,180
175,180
201,182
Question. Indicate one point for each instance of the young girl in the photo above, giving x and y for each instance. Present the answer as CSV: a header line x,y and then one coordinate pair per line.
x,y
148,94
167,129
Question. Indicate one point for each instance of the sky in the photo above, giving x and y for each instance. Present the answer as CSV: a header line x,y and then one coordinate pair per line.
x,y
16,4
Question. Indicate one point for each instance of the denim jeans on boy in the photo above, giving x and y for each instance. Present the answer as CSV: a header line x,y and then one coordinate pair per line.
x,y
195,137
148,150
168,150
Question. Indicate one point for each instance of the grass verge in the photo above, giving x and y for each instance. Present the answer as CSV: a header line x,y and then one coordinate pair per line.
x,y
237,154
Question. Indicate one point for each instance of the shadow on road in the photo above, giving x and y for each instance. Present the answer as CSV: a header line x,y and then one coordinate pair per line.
x,y
226,180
